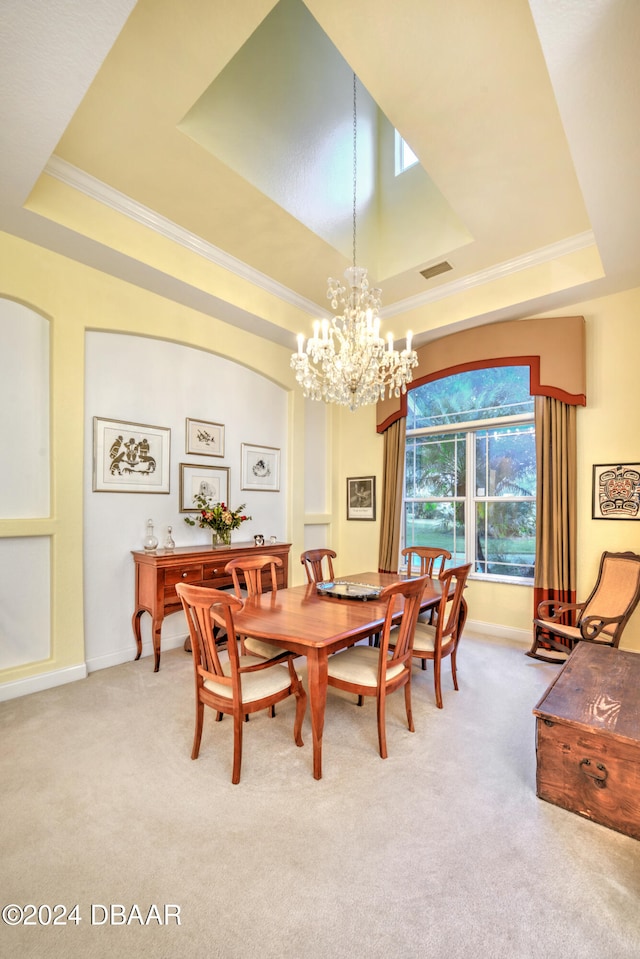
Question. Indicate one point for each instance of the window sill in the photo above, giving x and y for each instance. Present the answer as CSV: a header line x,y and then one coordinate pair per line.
x,y
508,580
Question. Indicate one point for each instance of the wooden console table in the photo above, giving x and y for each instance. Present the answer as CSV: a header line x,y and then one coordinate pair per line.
x,y
157,573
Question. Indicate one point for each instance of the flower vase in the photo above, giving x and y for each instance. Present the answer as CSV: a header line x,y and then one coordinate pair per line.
x,y
221,537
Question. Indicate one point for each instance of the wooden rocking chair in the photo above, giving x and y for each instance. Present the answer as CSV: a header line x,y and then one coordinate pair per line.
x,y
600,619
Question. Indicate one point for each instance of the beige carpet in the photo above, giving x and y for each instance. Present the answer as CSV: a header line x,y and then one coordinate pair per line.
x,y
441,851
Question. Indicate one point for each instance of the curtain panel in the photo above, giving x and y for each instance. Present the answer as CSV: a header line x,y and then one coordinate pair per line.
x,y
392,488
556,513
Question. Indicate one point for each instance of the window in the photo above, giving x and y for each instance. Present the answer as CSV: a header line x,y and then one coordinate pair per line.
x,y
470,471
405,157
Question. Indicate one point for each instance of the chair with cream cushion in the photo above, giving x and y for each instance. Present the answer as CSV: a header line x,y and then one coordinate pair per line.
x,y
440,639
314,561
380,671
241,685
252,569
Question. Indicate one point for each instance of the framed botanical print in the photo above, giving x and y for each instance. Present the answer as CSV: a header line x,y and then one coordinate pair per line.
x,y
361,497
260,467
616,491
210,481
130,457
204,439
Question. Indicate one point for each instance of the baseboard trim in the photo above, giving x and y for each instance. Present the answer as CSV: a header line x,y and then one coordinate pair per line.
x,y
36,684
127,654
501,634
59,677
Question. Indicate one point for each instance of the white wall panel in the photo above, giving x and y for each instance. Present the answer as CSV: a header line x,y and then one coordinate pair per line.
x,y
24,412
25,600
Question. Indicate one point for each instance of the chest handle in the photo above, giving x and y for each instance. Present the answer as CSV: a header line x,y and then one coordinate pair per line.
x,y
598,773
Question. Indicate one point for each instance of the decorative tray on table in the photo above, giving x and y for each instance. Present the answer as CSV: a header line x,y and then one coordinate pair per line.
x,y
344,590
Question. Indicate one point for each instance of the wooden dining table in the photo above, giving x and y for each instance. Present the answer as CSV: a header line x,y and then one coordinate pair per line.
x,y
314,625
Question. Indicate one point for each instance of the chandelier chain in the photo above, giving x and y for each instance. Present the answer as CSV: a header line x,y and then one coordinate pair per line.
x,y
355,165
346,361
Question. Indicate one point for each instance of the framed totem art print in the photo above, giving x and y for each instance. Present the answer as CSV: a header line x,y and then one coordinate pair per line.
x,y
616,491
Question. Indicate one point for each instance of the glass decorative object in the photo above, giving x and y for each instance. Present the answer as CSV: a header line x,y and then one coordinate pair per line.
x,y
169,542
221,537
150,541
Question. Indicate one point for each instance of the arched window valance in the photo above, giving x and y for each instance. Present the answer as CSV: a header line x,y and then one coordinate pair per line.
x,y
552,348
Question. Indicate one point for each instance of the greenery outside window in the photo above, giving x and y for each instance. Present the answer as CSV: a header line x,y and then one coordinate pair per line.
x,y
472,489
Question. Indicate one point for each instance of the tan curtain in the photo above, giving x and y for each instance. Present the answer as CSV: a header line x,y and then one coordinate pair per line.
x,y
556,516
392,486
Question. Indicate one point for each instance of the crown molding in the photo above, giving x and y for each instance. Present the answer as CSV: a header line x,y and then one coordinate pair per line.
x,y
544,254
97,190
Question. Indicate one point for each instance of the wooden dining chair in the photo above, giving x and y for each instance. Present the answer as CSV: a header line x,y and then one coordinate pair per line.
x,y
313,561
435,641
431,559
379,670
241,685
252,568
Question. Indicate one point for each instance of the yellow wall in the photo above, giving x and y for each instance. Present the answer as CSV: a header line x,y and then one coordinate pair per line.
x,y
76,298
607,432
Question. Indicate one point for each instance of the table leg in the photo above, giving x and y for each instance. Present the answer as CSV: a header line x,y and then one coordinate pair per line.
x,y
462,618
317,673
135,622
156,632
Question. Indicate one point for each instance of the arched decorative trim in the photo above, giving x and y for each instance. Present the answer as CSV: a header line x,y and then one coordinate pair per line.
x,y
560,351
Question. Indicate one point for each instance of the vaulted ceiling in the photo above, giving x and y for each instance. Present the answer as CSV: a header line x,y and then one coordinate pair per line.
x,y
202,149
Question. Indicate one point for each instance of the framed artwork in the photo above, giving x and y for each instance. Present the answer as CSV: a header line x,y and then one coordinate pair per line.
x,y
616,491
130,457
205,439
260,467
210,481
361,497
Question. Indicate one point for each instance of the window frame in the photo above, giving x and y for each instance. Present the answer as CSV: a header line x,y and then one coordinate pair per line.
x,y
400,145
470,499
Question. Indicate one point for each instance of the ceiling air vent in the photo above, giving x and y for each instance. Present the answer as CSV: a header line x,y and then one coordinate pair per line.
x,y
436,270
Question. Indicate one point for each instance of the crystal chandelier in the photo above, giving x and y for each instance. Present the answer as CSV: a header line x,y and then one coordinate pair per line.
x,y
346,361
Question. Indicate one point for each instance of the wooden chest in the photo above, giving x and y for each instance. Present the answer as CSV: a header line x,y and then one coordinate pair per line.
x,y
588,737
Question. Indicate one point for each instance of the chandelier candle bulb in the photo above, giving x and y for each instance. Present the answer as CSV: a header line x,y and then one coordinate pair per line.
x,y
390,342
409,339
300,344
